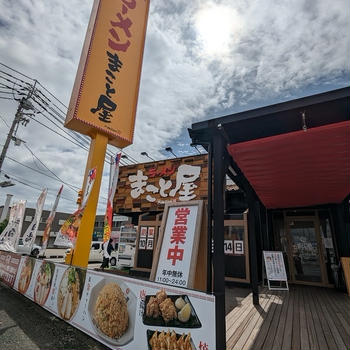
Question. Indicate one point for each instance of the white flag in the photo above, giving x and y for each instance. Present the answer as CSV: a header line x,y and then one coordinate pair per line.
x,y
10,236
30,234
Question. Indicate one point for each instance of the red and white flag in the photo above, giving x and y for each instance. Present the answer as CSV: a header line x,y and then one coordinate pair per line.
x,y
109,210
46,234
68,232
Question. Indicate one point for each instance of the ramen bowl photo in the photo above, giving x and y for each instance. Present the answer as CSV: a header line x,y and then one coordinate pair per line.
x,y
69,292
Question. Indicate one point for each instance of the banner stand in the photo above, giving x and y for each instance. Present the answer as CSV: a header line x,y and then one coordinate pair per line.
x,y
273,270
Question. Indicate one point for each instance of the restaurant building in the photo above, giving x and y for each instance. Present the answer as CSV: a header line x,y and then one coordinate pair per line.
x,y
143,190
291,160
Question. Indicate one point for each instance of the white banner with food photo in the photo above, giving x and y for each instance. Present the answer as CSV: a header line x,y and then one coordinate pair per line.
x,y
24,274
126,313
120,312
66,290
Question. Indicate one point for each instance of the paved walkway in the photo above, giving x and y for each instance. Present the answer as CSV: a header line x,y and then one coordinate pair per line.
x,y
25,325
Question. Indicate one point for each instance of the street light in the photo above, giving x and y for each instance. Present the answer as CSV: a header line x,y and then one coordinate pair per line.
x,y
6,184
125,157
146,155
170,150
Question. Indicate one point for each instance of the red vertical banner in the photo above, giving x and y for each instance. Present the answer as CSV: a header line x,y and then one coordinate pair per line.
x,y
109,210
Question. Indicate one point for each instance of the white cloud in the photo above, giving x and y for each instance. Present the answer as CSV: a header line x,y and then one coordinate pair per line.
x,y
274,49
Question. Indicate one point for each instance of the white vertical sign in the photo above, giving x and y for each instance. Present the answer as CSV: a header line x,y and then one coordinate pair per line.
x,y
274,264
176,252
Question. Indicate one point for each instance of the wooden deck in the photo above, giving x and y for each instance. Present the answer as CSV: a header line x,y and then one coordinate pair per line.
x,y
301,319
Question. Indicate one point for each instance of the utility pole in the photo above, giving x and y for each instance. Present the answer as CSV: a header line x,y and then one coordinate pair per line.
x,y
23,104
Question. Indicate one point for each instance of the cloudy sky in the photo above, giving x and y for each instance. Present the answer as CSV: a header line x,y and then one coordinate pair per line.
x,y
202,59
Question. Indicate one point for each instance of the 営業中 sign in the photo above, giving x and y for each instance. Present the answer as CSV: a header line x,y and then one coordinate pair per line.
x,y
177,248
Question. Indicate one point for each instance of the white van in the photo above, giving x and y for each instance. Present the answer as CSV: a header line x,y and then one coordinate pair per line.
x,y
96,253
33,251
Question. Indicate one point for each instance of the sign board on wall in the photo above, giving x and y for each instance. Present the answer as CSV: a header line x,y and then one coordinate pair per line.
x,y
176,254
149,186
74,294
228,246
8,267
106,87
144,257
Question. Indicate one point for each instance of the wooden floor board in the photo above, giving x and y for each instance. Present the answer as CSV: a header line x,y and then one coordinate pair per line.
x,y
296,321
317,323
247,339
304,336
342,328
241,318
268,344
313,343
287,336
338,341
278,339
244,323
305,318
324,324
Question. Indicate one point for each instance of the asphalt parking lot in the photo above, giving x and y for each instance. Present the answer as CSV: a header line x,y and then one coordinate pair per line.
x,y
25,325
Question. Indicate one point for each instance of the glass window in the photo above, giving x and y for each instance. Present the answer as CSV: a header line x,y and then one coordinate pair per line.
x,y
234,249
280,238
328,245
95,246
236,235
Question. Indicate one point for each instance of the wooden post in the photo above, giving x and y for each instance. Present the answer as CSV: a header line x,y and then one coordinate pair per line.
x,y
210,220
218,256
252,249
80,255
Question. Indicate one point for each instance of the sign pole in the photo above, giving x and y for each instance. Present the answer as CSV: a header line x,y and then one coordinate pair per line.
x,y
80,254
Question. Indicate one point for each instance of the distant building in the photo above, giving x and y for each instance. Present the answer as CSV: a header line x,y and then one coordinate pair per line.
x,y
97,234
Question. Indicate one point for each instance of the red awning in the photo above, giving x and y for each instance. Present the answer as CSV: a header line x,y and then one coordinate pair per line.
x,y
298,169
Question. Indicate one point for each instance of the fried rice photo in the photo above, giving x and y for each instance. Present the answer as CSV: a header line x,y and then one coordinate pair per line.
x,y
110,312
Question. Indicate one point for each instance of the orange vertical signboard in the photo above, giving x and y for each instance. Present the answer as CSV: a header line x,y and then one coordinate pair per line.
x,y
105,91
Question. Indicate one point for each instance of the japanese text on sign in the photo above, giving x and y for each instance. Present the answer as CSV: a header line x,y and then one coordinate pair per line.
x,y
274,264
177,245
185,177
106,88
178,235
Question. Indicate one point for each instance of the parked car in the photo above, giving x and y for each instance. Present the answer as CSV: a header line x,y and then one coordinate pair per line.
x,y
96,253
33,251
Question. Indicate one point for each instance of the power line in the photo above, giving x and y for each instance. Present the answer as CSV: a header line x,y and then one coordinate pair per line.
x,y
37,91
83,138
40,172
60,118
46,167
16,71
4,121
33,186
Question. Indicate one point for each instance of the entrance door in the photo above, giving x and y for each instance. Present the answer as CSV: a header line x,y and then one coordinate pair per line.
x,y
305,256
